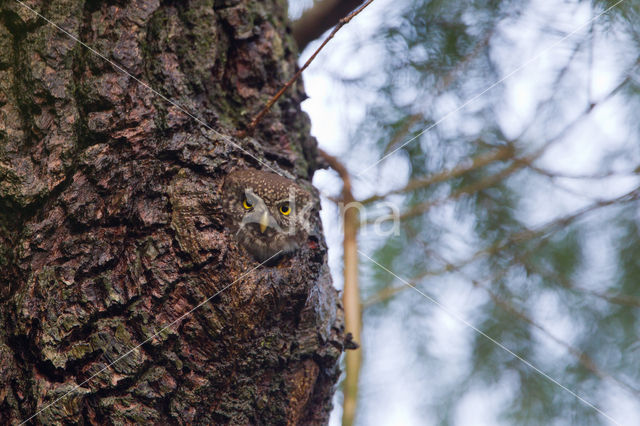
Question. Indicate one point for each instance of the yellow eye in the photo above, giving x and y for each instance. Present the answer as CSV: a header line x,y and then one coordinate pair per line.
x,y
285,209
247,204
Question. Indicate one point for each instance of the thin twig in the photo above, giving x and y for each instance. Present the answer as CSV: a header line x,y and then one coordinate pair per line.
x,y
344,21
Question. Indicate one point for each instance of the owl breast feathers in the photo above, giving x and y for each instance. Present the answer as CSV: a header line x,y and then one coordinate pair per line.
x,y
270,216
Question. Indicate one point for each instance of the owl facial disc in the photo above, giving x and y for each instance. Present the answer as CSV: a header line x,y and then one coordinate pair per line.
x,y
270,216
259,213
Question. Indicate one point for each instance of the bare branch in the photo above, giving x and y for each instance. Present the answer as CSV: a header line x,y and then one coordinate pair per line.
x,y
351,291
342,171
344,21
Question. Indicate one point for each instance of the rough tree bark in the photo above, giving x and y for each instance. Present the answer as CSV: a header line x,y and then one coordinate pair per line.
x,y
111,225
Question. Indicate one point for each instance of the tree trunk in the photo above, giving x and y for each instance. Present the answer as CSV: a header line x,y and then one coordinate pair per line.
x,y
111,225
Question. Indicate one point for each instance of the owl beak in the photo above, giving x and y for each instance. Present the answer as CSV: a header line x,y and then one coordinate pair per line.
x,y
264,221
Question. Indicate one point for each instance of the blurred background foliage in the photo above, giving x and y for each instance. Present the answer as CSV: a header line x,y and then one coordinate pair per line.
x,y
517,198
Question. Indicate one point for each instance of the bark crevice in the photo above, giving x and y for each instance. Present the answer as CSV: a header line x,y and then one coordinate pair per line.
x,y
113,227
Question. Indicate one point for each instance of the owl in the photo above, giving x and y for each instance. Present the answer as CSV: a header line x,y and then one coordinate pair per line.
x,y
271,216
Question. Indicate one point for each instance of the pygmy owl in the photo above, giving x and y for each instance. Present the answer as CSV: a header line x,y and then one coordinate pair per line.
x,y
270,215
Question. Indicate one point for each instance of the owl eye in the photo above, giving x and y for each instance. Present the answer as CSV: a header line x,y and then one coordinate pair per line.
x,y
247,204
285,209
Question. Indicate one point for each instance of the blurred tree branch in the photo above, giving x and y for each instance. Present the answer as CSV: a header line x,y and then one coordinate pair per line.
x,y
481,161
485,183
404,129
478,162
351,291
584,359
617,299
323,15
508,243
502,175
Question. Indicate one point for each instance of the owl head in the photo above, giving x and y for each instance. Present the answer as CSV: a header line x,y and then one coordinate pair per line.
x,y
270,215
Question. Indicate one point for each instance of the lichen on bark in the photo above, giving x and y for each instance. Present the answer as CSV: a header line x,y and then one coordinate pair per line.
x,y
111,224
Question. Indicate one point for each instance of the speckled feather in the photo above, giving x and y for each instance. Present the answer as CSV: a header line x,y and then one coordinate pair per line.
x,y
269,186
286,233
